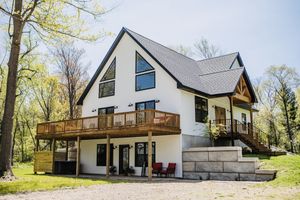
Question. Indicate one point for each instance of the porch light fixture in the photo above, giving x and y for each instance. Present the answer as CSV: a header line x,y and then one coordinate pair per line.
x,y
94,110
157,101
116,107
115,147
130,105
130,147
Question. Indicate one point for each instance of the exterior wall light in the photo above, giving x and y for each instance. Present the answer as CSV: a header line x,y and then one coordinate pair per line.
x,y
130,105
157,101
94,110
116,107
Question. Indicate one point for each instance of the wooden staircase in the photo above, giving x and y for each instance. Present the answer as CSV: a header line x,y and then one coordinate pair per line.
x,y
247,133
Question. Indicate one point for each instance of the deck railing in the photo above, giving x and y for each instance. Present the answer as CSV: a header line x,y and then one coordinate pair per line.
x,y
224,126
111,121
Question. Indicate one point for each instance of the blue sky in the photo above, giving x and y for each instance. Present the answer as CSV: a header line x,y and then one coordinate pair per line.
x,y
265,32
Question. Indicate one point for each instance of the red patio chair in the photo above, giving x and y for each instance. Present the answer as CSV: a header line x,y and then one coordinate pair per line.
x,y
169,170
156,168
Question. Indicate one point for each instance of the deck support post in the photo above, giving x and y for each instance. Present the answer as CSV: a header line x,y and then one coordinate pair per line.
x,y
53,155
107,155
231,119
67,149
251,121
149,155
78,157
37,145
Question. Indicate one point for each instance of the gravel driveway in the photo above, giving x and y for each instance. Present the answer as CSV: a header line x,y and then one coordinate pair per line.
x,y
165,190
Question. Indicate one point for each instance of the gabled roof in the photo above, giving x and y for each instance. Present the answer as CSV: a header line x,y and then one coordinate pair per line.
x,y
209,77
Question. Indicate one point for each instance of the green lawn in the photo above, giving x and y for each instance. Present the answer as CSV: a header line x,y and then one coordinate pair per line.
x,y
288,169
27,181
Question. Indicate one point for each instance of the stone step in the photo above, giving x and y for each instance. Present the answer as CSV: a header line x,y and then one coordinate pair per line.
x,y
265,175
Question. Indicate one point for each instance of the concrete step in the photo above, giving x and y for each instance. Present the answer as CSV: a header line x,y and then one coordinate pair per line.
x,y
265,175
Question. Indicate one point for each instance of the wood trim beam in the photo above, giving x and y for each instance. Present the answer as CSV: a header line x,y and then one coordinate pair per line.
x,y
242,98
78,157
107,155
149,155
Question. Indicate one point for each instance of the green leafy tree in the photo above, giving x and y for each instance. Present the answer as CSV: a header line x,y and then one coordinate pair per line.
x,y
280,79
289,111
50,21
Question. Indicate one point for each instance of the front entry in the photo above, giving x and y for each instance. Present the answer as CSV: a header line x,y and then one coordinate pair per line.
x,y
123,158
220,115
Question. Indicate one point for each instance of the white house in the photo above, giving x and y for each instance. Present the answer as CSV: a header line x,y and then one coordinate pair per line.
x,y
143,93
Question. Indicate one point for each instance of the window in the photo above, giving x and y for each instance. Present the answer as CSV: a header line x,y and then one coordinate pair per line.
x,y
107,110
201,110
244,118
141,153
101,155
145,105
142,116
141,64
143,81
107,89
107,84
111,72
244,121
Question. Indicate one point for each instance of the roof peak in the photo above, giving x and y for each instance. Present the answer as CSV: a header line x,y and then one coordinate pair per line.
x,y
129,30
223,71
237,53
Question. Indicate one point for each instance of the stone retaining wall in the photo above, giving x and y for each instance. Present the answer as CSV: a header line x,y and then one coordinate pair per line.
x,y
222,163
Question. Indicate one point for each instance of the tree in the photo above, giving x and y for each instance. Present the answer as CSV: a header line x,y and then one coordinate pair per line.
x,y
282,79
46,94
289,109
49,21
268,109
187,51
72,73
202,49
206,50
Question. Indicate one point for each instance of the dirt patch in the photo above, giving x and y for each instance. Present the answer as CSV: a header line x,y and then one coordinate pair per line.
x,y
206,190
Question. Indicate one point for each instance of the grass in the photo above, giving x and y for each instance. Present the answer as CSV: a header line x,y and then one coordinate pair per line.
x,y
288,169
27,181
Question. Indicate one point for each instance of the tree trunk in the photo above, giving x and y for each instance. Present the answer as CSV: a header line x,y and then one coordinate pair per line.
x,y
10,99
290,135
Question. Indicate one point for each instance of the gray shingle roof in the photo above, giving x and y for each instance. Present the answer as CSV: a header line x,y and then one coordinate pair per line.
x,y
210,77
220,63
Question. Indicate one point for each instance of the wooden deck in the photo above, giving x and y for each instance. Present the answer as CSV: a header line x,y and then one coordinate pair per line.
x,y
126,124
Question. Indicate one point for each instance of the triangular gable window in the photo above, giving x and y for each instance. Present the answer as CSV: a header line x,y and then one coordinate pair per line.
x,y
141,64
111,72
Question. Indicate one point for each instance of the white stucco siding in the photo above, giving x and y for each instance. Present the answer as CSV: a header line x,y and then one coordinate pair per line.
x,y
220,102
168,149
189,126
237,114
165,90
